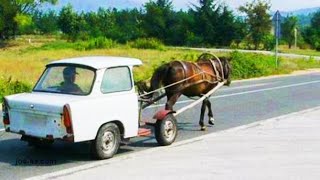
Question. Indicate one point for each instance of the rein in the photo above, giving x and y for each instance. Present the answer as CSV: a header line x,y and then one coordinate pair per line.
x,y
170,85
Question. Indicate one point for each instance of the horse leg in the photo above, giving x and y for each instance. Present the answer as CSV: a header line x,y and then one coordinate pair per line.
x,y
210,114
203,110
172,99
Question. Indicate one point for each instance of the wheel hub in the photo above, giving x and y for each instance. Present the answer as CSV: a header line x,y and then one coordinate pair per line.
x,y
169,130
108,142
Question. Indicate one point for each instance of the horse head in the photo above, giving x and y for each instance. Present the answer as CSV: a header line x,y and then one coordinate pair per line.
x,y
226,69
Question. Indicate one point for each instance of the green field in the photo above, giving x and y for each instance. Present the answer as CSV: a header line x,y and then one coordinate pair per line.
x,y
22,62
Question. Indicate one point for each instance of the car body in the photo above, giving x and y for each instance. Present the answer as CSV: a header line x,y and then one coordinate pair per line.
x,y
107,95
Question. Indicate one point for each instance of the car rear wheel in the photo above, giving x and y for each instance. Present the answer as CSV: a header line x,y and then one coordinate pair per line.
x,y
107,141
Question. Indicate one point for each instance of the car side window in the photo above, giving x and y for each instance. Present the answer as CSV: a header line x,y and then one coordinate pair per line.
x,y
116,80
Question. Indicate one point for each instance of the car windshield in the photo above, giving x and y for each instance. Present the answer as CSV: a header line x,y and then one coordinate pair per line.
x,y
66,80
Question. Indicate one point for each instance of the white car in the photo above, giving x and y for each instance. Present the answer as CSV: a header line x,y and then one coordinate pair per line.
x,y
80,99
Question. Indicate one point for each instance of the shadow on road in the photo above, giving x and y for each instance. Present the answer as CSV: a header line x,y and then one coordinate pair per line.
x,y
17,153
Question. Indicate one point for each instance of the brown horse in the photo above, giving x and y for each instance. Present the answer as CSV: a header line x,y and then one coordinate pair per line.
x,y
191,80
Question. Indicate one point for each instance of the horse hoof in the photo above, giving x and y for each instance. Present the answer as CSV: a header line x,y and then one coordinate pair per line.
x,y
211,121
203,128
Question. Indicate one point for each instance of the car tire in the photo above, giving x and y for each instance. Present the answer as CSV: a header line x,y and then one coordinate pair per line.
x,y
107,142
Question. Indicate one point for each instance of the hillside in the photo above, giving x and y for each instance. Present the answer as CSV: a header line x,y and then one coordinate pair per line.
x,y
304,15
304,12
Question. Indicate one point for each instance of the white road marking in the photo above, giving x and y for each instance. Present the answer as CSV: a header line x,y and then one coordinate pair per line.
x,y
245,92
246,86
1,130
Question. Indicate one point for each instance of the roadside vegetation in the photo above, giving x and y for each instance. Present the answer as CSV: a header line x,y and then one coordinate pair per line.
x,y
23,62
31,37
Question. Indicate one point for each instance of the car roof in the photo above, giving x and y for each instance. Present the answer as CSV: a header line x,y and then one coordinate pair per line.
x,y
99,62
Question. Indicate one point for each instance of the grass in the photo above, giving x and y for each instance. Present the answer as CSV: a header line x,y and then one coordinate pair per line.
x,y
22,62
307,52
27,64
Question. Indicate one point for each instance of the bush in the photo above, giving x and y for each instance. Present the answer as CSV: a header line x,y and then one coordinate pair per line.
x,y
147,43
8,87
251,65
96,43
192,40
269,42
57,45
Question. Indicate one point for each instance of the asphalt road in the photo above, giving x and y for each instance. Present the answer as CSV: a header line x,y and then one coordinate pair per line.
x,y
241,103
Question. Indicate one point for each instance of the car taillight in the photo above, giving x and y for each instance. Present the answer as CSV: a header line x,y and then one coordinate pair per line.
x,y
67,119
5,113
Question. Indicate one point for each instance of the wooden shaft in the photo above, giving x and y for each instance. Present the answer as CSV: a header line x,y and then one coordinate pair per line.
x,y
199,100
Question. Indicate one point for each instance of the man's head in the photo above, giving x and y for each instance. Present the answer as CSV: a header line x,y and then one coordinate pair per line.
x,y
69,74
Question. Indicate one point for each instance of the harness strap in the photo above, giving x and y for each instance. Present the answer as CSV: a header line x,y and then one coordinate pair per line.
x,y
184,67
215,70
220,78
222,70
199,68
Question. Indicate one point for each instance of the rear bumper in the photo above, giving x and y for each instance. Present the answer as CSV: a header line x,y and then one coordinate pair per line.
x,y
49,137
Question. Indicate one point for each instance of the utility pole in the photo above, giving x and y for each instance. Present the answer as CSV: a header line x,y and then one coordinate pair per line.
x,y
277,19
295,37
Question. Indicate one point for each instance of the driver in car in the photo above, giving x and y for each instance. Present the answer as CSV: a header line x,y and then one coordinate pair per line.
x,y
68,85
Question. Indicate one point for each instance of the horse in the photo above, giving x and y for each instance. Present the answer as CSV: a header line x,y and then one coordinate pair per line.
x,y
192,79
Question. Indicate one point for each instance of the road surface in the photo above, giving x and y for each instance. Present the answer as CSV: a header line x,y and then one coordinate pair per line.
x,y
242,103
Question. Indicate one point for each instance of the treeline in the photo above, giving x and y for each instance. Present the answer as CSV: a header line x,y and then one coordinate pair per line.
x,y
207,24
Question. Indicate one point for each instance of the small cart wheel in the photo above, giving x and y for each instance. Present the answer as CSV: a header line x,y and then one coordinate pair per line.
x,y
107,141
166,130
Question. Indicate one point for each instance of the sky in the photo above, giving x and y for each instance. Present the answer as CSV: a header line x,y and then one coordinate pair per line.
x,y
282,5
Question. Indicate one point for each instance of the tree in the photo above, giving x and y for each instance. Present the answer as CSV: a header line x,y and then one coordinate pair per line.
x,y
288,28
25,23
157,19
46,22
107,22
15,13
28,6
181,28
8,26
241,31
258,20
206,16
312,33
127,25
226,27
214,23
68,22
